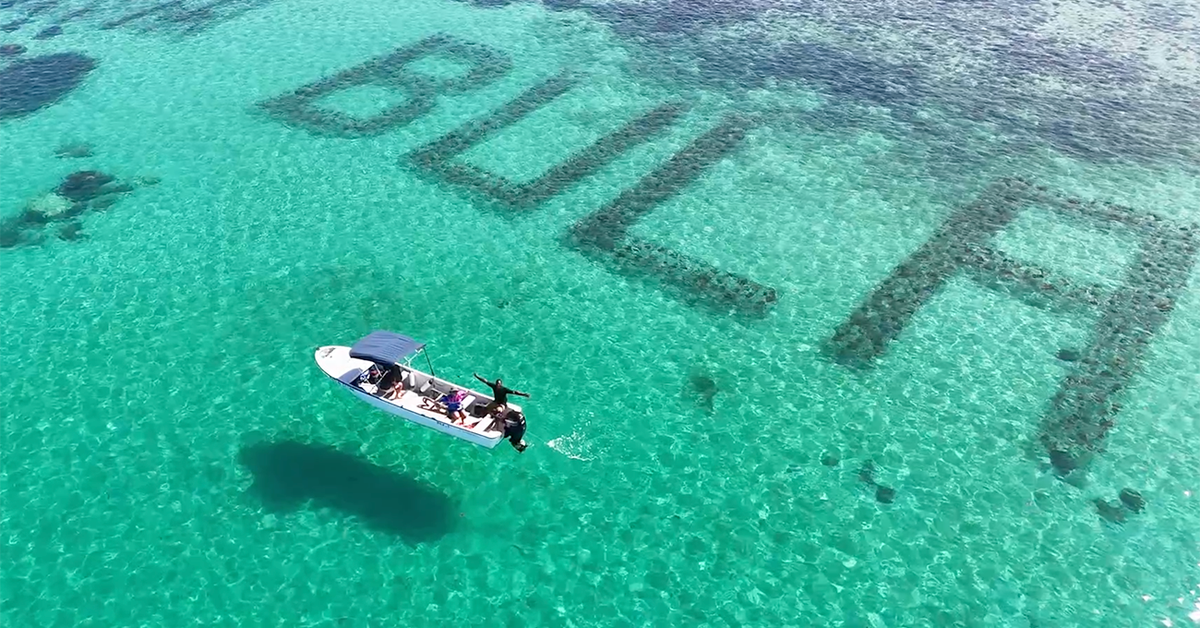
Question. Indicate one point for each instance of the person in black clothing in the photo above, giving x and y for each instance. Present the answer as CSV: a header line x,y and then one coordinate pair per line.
x,y
500,394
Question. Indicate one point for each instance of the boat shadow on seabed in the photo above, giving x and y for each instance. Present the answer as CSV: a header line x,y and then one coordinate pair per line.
x,y
288,474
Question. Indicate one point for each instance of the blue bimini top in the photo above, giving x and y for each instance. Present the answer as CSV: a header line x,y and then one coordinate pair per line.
x,y
385,347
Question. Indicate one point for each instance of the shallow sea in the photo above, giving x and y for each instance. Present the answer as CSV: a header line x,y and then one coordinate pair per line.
x,y
171,456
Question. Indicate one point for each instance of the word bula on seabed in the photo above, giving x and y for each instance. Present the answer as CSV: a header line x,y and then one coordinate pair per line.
x,y
605,233
1081,412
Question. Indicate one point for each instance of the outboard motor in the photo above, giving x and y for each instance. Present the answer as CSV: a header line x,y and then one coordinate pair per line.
x,y
514,429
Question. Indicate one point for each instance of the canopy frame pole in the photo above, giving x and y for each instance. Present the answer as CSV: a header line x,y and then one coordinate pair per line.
x,y
428,361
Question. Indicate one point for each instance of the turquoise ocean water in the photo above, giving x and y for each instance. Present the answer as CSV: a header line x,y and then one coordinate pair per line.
x,y
172,457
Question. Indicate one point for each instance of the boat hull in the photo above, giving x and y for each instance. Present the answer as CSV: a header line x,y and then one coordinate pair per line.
x,y
336,363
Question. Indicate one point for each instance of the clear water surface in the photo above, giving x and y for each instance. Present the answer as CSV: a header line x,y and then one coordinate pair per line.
x,y
171,456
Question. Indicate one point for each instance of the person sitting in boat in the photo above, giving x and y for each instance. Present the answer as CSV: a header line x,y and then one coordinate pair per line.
x,y
500,394
453,404
368,379
392,386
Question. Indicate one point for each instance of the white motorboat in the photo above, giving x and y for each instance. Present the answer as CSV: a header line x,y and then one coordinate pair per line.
x,y
371,368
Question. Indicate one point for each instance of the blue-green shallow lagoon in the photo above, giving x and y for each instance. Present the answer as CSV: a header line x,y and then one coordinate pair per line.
x,y
164,423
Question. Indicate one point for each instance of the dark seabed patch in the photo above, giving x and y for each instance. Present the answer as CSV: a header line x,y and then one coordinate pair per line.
x,y
84,185
10,233
704,386
1068,355
11,50
866,473
1109,512
1062,461
103,203
288,474
835,71
71,231
975,63
49,32
79,192
30,84
1132,499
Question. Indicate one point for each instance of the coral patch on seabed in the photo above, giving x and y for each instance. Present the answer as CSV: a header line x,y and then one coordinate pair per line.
x,y
79,192
71,231
1132,499
1109,512
32,83
1114,513
84,185
48,207
706,389
49,32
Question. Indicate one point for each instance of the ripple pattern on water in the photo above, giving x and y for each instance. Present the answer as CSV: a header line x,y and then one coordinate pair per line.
x,y
169,455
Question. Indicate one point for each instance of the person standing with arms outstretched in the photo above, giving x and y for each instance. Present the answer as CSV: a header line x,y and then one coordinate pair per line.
x,y
500,394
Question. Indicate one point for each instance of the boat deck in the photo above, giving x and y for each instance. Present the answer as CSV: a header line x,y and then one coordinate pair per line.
x,y
420,395
415,402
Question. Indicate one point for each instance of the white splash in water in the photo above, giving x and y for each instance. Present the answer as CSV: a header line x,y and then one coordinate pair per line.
x,y
572,446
